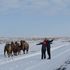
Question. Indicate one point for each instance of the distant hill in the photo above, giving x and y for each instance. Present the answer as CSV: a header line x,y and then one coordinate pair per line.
x,y
9,39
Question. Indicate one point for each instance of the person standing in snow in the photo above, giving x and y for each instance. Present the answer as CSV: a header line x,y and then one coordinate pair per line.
x,y
49,42
43,49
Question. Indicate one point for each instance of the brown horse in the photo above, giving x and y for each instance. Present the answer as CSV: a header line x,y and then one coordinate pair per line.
x,y
8,50
18,48
24,46
14,48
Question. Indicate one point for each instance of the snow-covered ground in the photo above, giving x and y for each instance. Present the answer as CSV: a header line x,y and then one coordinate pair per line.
x,y
60,52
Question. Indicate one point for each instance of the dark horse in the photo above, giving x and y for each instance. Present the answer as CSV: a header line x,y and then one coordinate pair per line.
x,y
18,48
8,50
11,49
24,46
14,48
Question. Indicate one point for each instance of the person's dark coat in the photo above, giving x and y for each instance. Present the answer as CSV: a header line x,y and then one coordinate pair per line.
x,y
49,42
43,49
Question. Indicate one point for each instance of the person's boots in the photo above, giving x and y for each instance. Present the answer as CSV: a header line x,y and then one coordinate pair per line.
x,y
49,57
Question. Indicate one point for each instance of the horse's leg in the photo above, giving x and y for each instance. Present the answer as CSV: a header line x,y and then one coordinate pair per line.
x,y
19,52
11,54
4,52
24,51
27,49
15,53
8,54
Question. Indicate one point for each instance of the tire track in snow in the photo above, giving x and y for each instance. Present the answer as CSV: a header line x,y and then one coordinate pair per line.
x,y
13,59
40,63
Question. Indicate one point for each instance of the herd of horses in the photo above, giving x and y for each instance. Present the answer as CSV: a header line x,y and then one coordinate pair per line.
x,y
15,48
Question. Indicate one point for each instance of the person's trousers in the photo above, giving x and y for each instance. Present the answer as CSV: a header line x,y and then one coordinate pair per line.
x,y
43,54
48,52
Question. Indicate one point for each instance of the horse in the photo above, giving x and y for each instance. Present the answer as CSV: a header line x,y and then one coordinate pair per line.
x,y
14,48
8,50
24,46
18,48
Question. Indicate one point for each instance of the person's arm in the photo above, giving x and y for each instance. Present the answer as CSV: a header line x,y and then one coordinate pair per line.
x,y
51,41
39,43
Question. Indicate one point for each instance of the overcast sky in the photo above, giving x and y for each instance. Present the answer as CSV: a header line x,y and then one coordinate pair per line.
x,y
30,18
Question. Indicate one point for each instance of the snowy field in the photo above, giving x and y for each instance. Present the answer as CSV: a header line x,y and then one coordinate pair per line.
x,y
60,60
